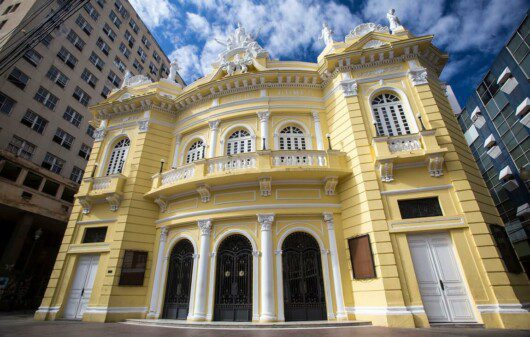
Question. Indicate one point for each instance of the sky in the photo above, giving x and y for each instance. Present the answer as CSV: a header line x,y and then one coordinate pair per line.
x,y
471,31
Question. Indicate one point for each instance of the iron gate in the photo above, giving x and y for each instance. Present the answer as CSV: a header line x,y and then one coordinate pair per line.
x,y
178,287
233,297
303,286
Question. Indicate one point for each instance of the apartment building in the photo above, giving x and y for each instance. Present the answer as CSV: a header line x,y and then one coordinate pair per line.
x,y
45,132
496,124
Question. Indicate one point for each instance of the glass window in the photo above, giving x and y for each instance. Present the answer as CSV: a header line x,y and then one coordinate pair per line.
x,y
32,180
45,97
292,138
68,58
18,78
81,96
114,79
50,187
53,163
10,171
33,57
78,43
195,152
56,76
34,121
72,116
96,61
89,78
419,208
21,147
95,234
390,116
77,175
6,104
118,156
239,142
91,11
115,20
109,32
84,25
63,138
103,46
84,151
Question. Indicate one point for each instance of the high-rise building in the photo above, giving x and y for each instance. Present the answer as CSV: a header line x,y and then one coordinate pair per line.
x,y
496,124
45,132
273,190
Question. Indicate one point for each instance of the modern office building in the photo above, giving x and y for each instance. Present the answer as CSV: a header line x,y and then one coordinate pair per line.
x,y
496,124
289,191
45,132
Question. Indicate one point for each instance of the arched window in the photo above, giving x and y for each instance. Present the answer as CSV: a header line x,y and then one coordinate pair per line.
x,y
195,152
292,138
118,156
239,142
390,116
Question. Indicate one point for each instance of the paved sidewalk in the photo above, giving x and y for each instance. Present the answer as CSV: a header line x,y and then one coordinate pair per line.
x,y
23,325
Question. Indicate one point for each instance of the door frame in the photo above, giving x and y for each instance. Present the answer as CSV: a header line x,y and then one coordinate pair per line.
x,y
213,271
447,234
165,268
78,257
324,256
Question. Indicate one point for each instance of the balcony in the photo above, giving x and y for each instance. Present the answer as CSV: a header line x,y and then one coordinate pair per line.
x,y
408,150
248,167
94,190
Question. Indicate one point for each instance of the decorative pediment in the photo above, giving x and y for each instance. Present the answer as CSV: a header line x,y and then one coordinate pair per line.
x,y
241,50
374,44
365,28
133,81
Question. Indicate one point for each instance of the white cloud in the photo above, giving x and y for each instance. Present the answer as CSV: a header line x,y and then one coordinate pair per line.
x,y
188,59
154,12
198,23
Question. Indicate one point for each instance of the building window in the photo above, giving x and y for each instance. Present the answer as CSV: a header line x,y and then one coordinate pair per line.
x,y
95,234
21,147
68,58
142,54
153,69
6,104
118,156
52,163
84,151
505,248
129,38
77,175
81,96
18,78
134,26
96,61
91,11
419,208
105,92
89,78
146,42
488,88
390,116
239,142
63,138
34,121
47,40
32,180
50,187
361,257
10,171
292,138
133,268
103,46
55,75
84,25
68,195
126,52
11,9
109,32
119,64
2,23
156,56
101,3
121,9
114,79
519,46
90,131
78,43
138,66
33,57
45,97
115,20
195,152
72,116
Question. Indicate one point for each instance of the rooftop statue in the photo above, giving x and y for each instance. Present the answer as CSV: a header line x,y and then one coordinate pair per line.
x,y
173,69
326,34
393,21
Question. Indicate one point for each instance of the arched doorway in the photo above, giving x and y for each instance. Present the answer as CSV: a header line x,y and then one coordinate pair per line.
x,y
177,302
233,295
303,285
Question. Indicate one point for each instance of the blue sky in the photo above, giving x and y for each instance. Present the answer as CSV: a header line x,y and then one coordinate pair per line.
x,y
471,31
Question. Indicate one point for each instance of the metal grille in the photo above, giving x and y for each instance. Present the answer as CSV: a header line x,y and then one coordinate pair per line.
x,y
303,286
233,297
179,281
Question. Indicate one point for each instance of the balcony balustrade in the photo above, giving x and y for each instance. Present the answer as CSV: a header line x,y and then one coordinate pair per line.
x,y
303,164
108,188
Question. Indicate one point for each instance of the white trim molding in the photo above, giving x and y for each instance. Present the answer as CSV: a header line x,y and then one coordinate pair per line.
x,y
395,310
506,308
48,310
115,310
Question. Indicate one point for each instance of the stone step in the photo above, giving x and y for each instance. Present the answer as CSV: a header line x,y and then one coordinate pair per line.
x,y
457,325
244,325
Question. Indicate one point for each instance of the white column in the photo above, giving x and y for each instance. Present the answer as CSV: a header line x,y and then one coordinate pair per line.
x,y
335,266
205,227
266,272
318,130
175,162
158,274
214,129
264,128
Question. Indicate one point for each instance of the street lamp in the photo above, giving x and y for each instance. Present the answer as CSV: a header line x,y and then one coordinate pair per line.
x,y
329,141
162,161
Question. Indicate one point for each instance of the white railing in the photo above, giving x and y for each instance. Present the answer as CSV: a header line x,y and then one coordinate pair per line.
x,y
180,173
299,158
101,183
241,161
404,143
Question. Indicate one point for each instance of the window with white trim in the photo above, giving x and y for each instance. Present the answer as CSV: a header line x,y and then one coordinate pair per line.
x,y
84,25
195,152
109,32
57,76
63,138
103,46
390,115
45,97
72,116
77,175
53,163
89,78
34,121
239,142
76,40
96,61
292,138
21,147
84,151
118,156
68,58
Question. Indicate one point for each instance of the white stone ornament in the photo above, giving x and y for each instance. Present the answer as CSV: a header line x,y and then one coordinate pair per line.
x,y
374,44
132,81
393,21
173,68
418,76
326,34
365,28
349,87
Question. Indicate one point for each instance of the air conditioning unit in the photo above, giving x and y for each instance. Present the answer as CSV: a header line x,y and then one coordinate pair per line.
x,y
522,111
508,180
477,118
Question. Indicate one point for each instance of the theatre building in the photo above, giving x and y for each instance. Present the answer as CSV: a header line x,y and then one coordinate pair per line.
x,y
289,191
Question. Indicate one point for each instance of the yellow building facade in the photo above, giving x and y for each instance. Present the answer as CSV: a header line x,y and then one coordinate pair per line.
x,y
284,191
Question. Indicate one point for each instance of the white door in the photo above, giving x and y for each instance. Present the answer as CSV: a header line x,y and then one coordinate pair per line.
x,y
81,288
442,287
